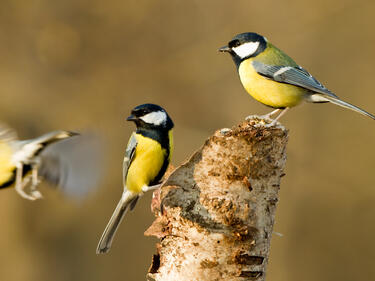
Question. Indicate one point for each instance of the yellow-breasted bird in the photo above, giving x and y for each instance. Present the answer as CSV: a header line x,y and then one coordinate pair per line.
x,y
274,79
53,157
147,157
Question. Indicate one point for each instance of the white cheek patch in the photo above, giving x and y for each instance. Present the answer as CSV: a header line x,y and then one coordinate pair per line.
x,y
246,49
156,118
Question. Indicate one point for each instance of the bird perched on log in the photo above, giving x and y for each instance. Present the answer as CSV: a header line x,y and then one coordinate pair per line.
x,y
147,157
274,79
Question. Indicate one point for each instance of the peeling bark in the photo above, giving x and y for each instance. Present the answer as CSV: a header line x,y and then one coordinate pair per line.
x,y
215,212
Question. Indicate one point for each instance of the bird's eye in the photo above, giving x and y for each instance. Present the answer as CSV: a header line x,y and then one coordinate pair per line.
x,y
234,43
139,112
144,112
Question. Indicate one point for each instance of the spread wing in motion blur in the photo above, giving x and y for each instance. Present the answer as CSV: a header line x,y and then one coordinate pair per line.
x,y
62,158
73,165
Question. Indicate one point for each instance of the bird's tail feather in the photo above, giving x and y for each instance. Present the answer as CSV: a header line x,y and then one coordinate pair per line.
x,y
122,208
344,104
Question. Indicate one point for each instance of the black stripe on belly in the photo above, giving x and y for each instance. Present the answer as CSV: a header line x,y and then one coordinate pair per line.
x,y
10,182
161,172
162,137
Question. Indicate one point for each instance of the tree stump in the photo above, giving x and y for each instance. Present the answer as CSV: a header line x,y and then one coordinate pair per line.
x,y
215,212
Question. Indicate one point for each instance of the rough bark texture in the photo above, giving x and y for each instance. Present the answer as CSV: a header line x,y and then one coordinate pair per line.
x,y
215,212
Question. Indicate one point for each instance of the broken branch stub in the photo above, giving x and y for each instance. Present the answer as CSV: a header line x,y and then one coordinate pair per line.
x,y
215,212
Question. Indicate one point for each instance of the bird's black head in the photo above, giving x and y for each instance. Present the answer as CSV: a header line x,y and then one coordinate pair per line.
x,y
244,46
151,116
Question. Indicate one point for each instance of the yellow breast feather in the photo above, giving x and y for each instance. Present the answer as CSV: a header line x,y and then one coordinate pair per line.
x,y
265,90
148,160
6,166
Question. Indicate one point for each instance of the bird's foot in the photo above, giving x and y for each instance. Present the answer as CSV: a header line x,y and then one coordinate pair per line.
x,y
268,116
21,185
260,121
34,194
266,119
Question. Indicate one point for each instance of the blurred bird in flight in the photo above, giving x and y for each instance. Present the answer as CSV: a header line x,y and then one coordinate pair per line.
x,y
62,158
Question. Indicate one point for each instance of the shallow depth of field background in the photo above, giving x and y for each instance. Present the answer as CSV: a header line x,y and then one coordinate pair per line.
x,y
79,64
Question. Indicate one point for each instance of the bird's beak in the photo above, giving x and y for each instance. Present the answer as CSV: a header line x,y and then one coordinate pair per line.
x,y
72,134
225,49
131,118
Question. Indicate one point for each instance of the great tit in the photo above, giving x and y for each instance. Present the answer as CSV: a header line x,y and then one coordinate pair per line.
x,y
24,163
147,157
274,79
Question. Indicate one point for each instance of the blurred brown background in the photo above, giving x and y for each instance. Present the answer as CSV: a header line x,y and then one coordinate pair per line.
x,y
77,64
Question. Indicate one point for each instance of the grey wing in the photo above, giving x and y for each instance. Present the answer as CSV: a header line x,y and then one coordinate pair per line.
x,y
74,165
294,75
129,156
